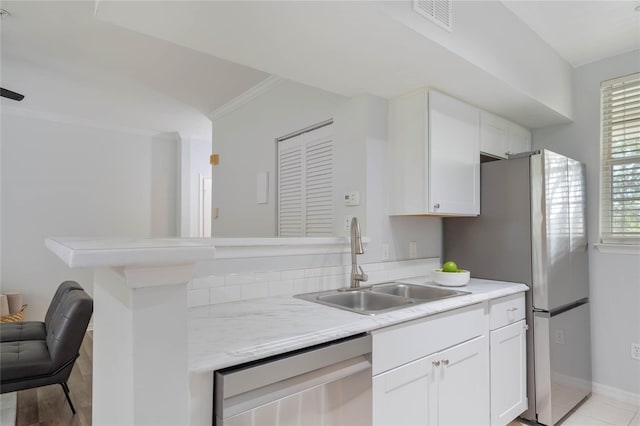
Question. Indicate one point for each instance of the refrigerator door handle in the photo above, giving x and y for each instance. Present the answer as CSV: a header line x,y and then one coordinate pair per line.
x,y
557,311
568,306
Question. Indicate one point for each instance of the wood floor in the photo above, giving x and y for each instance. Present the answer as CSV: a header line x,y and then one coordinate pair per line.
x,y
47,406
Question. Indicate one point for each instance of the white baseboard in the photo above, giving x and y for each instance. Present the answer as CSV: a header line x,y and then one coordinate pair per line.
x,y
615,393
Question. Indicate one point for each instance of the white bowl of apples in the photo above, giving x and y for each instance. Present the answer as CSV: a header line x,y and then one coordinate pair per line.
x,y
451,276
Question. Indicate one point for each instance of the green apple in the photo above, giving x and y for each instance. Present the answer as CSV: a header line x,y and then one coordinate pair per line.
x,y
450,267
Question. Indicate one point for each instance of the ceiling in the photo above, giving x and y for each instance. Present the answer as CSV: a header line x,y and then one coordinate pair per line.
x,y
166,65
66,61
583,31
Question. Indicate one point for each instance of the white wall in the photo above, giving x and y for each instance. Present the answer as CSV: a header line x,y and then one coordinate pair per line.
x,y
245,140
164,185
614,278
69,179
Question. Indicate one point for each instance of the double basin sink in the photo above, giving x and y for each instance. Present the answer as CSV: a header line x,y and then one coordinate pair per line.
x,y
380,298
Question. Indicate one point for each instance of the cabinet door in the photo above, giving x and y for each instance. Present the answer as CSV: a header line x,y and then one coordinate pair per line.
x,y
454,156
406,395
463,384
518,139
493,135
508,373
408,153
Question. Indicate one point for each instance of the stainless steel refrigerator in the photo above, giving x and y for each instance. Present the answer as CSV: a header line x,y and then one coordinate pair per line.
x,y
532,229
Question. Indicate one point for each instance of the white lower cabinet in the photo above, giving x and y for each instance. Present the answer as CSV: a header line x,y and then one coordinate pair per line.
x,y
407,395
447,388
463,384
508,373
433,371
508,358
462,367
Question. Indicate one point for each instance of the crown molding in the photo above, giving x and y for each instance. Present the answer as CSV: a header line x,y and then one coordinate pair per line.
x,y
246,97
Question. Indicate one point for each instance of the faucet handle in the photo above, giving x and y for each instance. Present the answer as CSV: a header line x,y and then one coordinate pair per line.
x,y
363,276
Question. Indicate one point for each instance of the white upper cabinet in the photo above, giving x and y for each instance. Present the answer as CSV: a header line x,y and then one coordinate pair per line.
x,y
518,139
493,135
434,143
500,137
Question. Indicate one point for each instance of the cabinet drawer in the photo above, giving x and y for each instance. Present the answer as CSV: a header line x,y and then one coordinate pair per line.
x,y
506,310
406,342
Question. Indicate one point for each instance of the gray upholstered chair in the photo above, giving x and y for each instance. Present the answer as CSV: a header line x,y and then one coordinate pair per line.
x,y
27,364
37,330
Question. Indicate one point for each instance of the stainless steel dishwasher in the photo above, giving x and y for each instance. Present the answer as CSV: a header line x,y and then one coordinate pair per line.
x,y
328,384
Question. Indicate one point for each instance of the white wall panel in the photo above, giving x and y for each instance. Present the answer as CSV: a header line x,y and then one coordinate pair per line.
x,y
65,179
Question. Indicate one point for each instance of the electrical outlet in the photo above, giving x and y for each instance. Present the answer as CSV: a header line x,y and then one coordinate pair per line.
x,y
385,251
413,250
347,222
635,351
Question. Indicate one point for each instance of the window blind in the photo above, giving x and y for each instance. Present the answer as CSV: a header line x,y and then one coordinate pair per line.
x,y
620,161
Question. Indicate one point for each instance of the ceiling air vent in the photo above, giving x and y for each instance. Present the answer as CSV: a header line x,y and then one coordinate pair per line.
x,y
438,11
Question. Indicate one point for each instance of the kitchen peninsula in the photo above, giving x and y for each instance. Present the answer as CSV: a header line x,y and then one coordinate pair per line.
x,y
154,357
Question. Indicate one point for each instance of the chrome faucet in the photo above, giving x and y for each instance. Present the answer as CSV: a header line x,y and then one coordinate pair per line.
x,y
356,248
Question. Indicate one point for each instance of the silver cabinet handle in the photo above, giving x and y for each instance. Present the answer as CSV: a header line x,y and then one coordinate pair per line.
x,y
436,206
445,362
526,327
436,363
512,309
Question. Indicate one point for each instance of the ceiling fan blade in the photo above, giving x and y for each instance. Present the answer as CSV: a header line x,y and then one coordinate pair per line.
x,y
5,93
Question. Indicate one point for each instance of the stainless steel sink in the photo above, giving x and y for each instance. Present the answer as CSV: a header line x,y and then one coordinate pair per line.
x,y
364,301
414,291
380,298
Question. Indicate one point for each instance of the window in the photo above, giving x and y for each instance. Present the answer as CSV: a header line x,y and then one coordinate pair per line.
x,y
620,161
305,183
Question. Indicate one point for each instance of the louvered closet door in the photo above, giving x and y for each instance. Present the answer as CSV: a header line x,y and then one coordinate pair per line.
x,y
319,188
290,189
305,184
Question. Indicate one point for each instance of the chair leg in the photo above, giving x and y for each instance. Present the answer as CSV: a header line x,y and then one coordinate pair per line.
x,y
65,388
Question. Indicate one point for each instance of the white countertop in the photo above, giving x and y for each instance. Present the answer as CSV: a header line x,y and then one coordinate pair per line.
x,y
110,252
229,334
117,252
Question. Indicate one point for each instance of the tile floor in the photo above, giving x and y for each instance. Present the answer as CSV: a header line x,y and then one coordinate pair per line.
x,y
600,410
8,409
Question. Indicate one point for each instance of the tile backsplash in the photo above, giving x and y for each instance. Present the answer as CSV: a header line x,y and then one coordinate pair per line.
x,y
233,287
